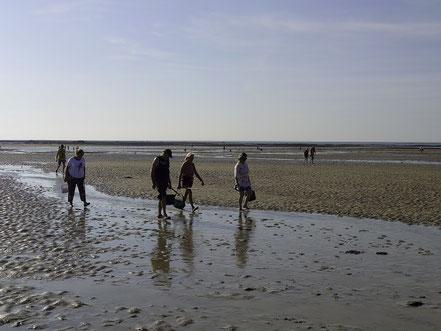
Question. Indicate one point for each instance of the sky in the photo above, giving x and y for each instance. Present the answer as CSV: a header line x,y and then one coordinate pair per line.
x,y
221,70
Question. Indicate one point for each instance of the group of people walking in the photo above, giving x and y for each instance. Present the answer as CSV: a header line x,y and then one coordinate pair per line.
x,y
160,174
75,174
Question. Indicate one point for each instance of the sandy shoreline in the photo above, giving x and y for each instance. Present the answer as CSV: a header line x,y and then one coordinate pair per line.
x,y
390,191
405,193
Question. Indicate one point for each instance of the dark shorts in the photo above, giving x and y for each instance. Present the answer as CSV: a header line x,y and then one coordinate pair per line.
x,y
187,181
162,189
61,161
246,188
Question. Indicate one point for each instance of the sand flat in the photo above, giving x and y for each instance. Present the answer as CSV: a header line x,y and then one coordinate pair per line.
x,y
381,183
407,193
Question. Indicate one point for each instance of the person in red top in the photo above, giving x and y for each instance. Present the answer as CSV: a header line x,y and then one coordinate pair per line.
x,y
186,176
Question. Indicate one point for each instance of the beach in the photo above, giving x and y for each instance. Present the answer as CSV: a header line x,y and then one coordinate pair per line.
x,y
389,184
407,193
297,260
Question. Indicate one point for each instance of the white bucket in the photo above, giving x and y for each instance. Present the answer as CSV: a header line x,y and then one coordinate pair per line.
x,y
64,188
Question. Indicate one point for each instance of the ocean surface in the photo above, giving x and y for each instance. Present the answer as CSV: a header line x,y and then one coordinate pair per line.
x,y
327,152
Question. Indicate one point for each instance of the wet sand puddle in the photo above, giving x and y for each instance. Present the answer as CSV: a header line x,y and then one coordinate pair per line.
x,y
116,266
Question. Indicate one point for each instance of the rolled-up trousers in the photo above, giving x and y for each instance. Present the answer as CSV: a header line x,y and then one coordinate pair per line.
x,y
72,183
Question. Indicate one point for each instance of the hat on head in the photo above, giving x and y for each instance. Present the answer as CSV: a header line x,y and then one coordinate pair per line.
x,y
79,152
242,156
189,156
168,152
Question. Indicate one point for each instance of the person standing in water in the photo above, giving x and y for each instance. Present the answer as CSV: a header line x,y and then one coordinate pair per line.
x,y
186,177
61,158
75,175
241,175
160,174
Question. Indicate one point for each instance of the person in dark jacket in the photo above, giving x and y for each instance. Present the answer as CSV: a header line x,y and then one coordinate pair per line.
x,y
160,174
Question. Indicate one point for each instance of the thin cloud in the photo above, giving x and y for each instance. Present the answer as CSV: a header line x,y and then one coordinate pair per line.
x,y
421,29
59,8
230,32
270,22
130,50
68,7
259,30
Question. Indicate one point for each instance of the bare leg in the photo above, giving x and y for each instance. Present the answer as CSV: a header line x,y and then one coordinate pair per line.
x,y
164,205
247,195
190,198
241,194
185,194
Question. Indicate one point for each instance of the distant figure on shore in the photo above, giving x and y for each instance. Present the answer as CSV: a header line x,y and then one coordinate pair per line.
x,y
160,174
422,149
306,155
312,154
61,158
186,177
75,175
241,175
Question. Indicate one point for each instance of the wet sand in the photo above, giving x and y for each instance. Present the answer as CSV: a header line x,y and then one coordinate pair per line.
x,y
115,266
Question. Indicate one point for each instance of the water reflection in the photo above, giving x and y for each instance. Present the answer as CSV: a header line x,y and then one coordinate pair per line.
x,y
242,237
75,227
186,242
160,257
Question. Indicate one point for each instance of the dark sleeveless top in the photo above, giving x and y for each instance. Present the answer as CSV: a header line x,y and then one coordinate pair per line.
x,y
162,171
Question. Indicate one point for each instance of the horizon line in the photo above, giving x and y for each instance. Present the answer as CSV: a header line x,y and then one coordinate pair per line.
x,y
281,142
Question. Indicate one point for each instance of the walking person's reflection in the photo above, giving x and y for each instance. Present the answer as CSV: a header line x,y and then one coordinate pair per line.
x,y
186,242
75,226
160,256
242,237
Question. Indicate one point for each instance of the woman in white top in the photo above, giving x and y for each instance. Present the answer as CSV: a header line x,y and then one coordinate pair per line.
x,y
75,175
241,174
